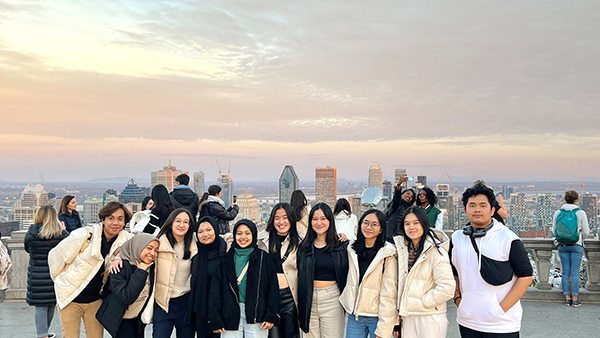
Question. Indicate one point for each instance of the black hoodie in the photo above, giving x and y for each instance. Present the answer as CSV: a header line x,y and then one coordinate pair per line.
x,y
186,198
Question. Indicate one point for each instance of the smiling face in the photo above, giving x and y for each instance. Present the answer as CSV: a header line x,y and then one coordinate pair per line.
x,y
408,196
113,224
181,225
370,227
206,233
72,205
413,228
243,236
281,222
479,211
149,253
319,222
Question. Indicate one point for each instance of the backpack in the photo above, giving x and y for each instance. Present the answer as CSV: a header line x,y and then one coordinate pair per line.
x,y
566,230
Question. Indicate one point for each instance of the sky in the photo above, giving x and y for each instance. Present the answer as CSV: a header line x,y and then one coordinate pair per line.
x,y
496,90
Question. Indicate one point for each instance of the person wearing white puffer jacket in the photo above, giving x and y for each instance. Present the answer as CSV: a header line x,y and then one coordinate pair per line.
x,y
345,221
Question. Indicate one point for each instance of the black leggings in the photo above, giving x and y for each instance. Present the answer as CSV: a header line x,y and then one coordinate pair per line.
x,y
465,332
288,317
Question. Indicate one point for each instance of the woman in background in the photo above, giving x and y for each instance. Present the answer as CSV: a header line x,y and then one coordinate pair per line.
x,y
67,213
147,203
212,205
427,201
345,221
299,204
161,209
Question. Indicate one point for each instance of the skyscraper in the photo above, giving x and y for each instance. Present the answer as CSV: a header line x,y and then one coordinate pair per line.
x,y
543,212
589,204
518,213
288,182
166,176
445,204
132,193
91,208
387,190
199,183
249,209
109,196
422,180
226,184
23,210
326,185
375,176
399,173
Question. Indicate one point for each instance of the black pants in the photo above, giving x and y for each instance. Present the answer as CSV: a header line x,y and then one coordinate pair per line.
x,y
288,317
131,328
465,332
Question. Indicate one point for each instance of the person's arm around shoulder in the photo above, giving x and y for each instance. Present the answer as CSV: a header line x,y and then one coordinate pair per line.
x,y
66,251
388,295
444,282
519,259
128,289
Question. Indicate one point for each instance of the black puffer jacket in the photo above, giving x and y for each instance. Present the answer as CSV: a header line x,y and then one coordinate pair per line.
x,y
262,292
72,221
40,287
306,277
394,214
186,198
222,215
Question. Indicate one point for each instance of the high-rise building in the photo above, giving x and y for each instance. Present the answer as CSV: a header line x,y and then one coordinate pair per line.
x,y
23,210
132,193
166,176
109,195
589,204
226,184
518,213
91,208
445,204
397,174
199,183
543,212
422,180
249,209
288,182
375,176
326,185
387,190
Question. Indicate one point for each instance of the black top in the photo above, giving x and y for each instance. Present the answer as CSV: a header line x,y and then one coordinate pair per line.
x,y
363,263
91,293
276,256
495,215
324,267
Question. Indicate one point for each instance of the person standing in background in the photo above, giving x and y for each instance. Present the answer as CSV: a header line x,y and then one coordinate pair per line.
x,y
184,197
299,204
67,213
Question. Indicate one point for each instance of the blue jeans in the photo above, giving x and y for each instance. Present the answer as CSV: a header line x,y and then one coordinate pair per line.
x,y
362,328
244,329
570,258
43,318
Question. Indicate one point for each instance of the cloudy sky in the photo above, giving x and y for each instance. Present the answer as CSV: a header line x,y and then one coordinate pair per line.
x,y
501,90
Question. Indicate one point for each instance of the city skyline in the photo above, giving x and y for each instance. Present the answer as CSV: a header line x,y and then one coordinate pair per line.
x,y
502,91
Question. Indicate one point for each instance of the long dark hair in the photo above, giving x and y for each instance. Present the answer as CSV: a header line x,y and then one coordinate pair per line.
x,y
429,195
427,232
298,202
414,196
167,230
293,233
331,237
212,191
342,205
359,244
162,200
145,202
63,205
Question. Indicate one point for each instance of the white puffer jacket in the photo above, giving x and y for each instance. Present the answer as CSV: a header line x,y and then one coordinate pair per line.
x,y
376,295
79,268
430,283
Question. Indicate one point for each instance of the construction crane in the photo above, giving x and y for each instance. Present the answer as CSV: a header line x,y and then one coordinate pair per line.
x,y
218,167
441,178
43,183
582,185
452,184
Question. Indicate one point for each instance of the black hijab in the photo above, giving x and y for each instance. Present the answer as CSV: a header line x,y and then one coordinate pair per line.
x,y
253,229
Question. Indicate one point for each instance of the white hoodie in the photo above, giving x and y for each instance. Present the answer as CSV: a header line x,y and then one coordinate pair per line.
x,y
347,224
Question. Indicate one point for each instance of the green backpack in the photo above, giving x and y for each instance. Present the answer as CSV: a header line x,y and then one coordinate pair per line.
x,y
566,227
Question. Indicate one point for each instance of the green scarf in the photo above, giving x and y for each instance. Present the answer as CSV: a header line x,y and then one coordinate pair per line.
x,y
240,258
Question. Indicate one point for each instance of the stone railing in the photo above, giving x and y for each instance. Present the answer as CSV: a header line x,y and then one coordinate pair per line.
x,y
17,275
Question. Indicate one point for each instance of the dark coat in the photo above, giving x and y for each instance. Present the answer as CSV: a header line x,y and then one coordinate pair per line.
x,y
72,221
186,198
222,215
394,215
306,277
40,287
121,291
262,292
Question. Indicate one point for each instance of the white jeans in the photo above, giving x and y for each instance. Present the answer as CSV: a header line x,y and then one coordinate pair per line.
x,y
244,329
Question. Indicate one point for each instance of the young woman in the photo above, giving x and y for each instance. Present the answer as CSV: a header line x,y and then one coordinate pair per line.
x,y
42,236
173,276
147,203
211,248
281,241
370,295
427,201
345,221
212,205
129,292
67,213
299,204
161,209
570,255
425,280
322,271
402,200
243,299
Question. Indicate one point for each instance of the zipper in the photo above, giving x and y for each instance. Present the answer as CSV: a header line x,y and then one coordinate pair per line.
x,y
236,296
258,287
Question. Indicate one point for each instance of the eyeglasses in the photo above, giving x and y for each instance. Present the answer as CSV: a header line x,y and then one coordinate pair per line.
x,y
373,225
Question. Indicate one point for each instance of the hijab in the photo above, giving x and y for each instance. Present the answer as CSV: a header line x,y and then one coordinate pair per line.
x,y
132,249
253,229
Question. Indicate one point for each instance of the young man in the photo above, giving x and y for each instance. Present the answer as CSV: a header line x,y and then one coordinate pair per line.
x,y
77,267
491,268
184,197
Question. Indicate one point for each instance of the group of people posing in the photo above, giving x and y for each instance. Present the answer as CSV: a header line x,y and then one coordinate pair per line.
x,y
317,271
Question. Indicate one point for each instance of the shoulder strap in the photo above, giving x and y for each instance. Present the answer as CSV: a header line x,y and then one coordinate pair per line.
x,y
88,240
475,246
243,273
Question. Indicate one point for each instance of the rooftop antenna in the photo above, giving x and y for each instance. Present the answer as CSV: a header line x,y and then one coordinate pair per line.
x,y
229,170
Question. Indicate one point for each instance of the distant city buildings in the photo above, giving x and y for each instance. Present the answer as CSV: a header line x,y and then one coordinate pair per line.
x,y
518,213
288,182
131,194
446,205
326,185
375,176
199,183
543,213
24,209
109,195
249,209
589,204
226,184
397,174
422,180
388,188
166,177
91,208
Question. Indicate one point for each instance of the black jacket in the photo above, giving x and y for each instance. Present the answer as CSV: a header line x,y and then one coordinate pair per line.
x,y
40,287
121,291
222,215
262,292
186,198
394,215
306,277
72,221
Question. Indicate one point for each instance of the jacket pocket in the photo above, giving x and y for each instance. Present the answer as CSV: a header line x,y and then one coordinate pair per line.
x,y
480,306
